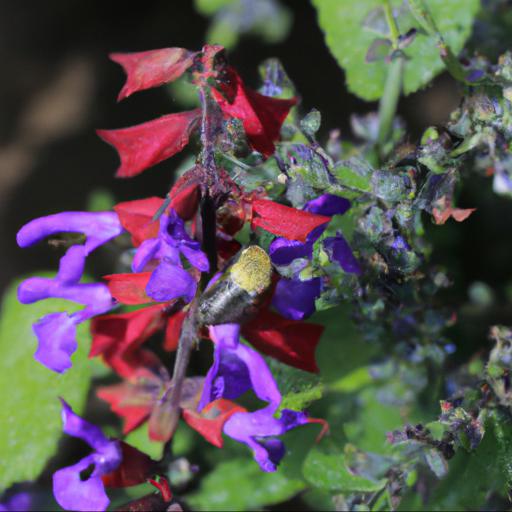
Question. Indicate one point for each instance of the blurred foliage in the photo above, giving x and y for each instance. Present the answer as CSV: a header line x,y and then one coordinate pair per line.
x,y
31,424
353,28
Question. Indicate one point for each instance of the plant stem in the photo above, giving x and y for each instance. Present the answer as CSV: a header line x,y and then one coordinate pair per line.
x,y
188,337
425,19
394,32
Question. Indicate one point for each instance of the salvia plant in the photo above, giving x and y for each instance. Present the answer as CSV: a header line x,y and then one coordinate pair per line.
x,y
273,327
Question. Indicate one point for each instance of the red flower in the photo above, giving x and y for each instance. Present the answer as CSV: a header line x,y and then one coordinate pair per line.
x,y
136,217
262,116
290,341
129,289
210,421
153,68
285,221
147,144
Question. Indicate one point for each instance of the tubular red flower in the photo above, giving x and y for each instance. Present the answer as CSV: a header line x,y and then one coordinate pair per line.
x,y
153,68
129,289
289,341
284,221
147,144
262,116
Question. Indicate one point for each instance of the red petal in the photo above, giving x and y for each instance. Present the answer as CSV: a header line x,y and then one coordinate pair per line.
x,y
163,486
185,193
129,289
289,341
135,468
132,364
147,144
145,70
262,116
125,331
116,395
458,214
285,221
173,330
137,218
212,418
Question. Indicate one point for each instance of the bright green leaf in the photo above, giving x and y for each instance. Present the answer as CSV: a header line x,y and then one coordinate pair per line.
x,y
343,23
327,471
31,426
240,484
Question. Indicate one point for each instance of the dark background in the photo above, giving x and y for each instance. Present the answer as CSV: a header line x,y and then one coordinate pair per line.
x,y
58,86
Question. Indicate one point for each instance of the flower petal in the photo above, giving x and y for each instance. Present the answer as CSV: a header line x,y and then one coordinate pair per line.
x,y
173,330
295,299
289,341
262,116
210,422
153,68
98,227
169,282
328,204
125,331
284,221
283,251
252,428
73,493
137,218
129,289
56,334
75,426
340,251
149,143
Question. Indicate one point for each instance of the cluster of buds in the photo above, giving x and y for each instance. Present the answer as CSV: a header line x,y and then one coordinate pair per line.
x,y
191,279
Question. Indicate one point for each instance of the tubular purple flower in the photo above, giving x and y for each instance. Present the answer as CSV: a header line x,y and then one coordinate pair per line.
x,y
79,487
169,280
98,227
56,332
236,369
19,502
258,430
295,298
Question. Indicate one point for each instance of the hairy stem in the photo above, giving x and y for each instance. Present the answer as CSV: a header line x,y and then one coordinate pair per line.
x,y
188,338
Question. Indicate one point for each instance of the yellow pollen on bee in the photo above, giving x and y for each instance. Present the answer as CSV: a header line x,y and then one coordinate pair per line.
x,y
253,270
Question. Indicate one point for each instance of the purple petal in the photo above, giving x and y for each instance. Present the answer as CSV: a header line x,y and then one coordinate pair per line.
x,y
234,371
328,205
73,493
99,228
195,256
71,265
340,251
283,251
228,377
252,428
56,333
226,334
19,502
295,299
169,282
75,426
146,251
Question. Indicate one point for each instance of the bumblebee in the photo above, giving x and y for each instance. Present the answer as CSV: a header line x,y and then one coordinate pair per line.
x,y
236,295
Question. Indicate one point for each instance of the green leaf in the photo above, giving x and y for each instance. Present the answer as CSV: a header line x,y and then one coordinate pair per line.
x,y
239,484
298,388
139,438
327,471
349,38
31,424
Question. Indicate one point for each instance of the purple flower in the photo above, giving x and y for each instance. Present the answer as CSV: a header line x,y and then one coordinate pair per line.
x,y
79,487
170,280
56,332
19,502
237,369
295,298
